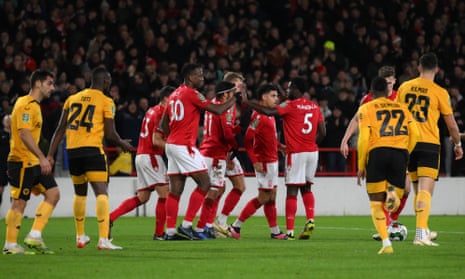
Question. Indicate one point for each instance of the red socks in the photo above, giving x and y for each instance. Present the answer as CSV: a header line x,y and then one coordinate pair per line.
x,y
195,202
212,216
403,201
160,216
172,207
271,214
126,206
206,212
291,210
231,201
249,209
309,203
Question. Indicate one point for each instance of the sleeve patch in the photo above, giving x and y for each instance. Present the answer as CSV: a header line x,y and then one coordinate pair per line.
x,y
201,97
25,117
254,123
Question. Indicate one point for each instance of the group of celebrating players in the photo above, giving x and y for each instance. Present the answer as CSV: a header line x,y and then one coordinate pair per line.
x,y
393,138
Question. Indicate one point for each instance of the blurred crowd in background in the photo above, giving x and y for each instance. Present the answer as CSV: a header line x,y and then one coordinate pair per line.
x,y
338,46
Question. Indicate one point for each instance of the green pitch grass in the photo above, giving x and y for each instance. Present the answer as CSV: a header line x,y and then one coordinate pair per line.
x,y
341,247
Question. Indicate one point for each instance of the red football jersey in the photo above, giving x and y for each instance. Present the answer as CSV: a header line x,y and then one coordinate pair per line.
x,y
300,123
368,97
184,107
218,136
149,125
261,140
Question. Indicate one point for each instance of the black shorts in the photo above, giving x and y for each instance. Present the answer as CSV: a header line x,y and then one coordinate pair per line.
x,y
3,174
88,166
23,181
424,161
387,164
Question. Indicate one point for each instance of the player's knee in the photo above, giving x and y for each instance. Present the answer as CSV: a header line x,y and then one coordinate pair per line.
x,y
52,196
18,205
205,186
162,191
240,187
143,198
292,191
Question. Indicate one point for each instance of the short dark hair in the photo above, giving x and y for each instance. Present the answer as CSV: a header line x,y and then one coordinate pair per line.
x,y
379,87
166,91
300,83
429,61
40,75
223,87
99,73
387,71
265,89
188,69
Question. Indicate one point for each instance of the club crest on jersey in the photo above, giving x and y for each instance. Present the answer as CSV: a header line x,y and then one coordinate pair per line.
x,y
25,117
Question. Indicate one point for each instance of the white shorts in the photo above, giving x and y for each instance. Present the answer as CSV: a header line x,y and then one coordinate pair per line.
x,y
301,168
151,171
237,170
269,178
184,160
216,171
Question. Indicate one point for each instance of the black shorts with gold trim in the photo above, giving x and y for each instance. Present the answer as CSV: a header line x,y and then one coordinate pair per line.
x,y
424,161
24,181
387,164
88,162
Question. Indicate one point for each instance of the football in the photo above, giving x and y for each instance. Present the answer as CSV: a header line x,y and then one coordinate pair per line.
x,y
397,232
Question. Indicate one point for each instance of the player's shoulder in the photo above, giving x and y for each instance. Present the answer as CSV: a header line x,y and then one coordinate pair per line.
x,y
23,99
407,84
26,102
183,90
255,115
302,103
366,98
306,101
440,89
393,95
19,104
153,109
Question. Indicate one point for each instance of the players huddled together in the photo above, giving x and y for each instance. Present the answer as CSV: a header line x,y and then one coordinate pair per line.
x,y
397,133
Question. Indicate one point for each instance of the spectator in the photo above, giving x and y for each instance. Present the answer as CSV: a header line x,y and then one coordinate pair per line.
x,y
128,122
336,125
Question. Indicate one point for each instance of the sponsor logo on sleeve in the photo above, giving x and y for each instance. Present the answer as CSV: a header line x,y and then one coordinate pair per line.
x,y
25,117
